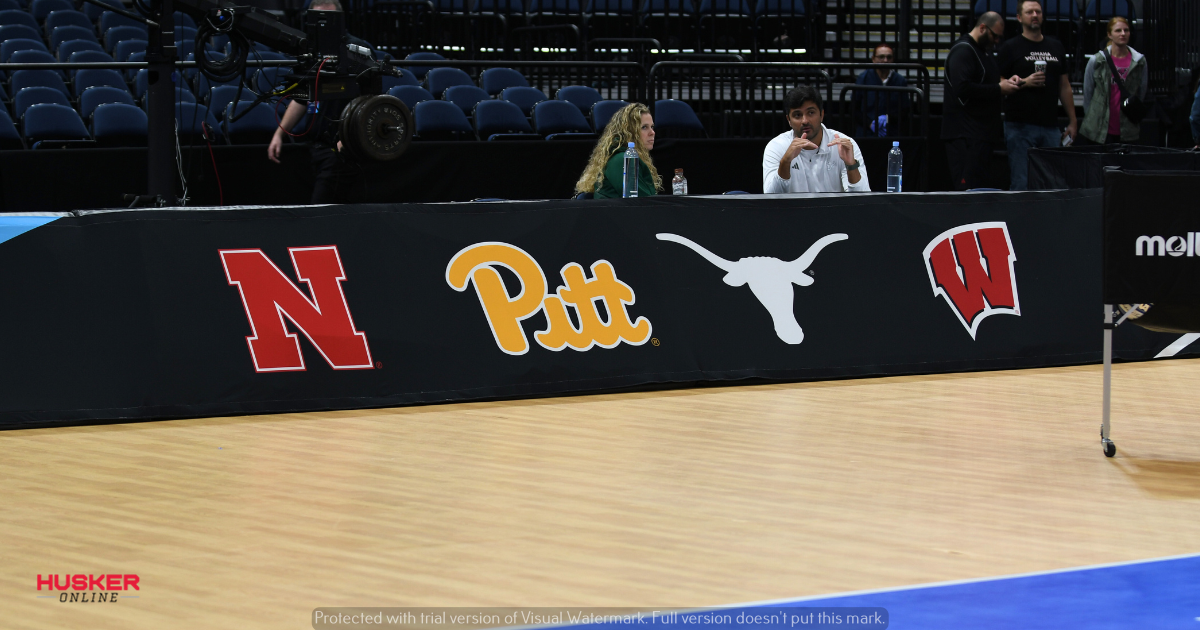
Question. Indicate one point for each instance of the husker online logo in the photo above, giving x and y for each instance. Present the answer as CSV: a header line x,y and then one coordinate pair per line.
x,y
89,589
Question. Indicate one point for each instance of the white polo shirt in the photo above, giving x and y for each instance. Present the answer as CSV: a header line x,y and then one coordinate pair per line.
x,y
812,171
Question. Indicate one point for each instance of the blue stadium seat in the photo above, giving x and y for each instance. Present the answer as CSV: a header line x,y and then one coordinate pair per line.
x,y
13,45
78,45
406,78
185,33
505,7
118,34
675,118
66,18
554,7
182,95
411,94
85,79
1060,10
10,5
603,111
437,120
204,86
611,7
580,96
35,56
69,33
1006,8
185,47
142,83
30,96
190,117
42,8
94,12
9,138
421,71
49,121
3,94
256,126
501,120
223,95
22,79
439,79
110,19
11,16
97,96
183,19
560,120
123,49
120,125
266,79
524,97
466,97
495,80
1104,10
87,56
19,31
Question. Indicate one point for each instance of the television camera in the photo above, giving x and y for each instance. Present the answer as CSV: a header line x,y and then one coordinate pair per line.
x,y
373,126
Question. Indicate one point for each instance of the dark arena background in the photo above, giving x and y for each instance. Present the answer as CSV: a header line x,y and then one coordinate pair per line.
x,y
464,397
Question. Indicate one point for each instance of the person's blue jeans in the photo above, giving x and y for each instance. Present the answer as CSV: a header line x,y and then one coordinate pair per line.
x,y
1195,118
1020,138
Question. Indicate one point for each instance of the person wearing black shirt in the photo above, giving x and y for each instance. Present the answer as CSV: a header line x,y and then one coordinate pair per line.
x,y
971,113
1031,115
334,174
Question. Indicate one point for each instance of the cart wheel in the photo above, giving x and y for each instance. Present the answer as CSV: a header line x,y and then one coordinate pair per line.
x,y
1110,448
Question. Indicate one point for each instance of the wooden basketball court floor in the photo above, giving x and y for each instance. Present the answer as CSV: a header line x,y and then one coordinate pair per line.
x,y
680,498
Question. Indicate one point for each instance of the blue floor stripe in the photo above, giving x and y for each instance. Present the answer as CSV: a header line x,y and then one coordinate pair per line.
x,y
1162,594
13,226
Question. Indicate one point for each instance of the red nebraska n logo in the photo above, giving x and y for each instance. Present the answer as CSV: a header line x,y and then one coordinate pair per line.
x,y
972,267
269,296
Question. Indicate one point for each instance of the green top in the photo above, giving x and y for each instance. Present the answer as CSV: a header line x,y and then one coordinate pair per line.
x,y
614,175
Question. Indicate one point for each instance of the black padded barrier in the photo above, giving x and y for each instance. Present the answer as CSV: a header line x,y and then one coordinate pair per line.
x,y
151,314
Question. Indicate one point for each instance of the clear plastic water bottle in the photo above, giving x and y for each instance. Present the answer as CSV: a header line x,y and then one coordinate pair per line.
x,y
679,184
895,180
630,183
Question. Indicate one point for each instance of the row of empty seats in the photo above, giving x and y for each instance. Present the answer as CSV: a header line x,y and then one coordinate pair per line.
x,y
551,120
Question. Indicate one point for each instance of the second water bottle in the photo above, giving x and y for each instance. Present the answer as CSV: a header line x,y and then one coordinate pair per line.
x,y
630,184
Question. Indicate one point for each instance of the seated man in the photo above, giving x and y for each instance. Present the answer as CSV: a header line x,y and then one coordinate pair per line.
x,y
874,109
810,157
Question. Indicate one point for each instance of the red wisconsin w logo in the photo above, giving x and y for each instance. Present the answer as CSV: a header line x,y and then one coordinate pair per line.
x,y
269,296
972,267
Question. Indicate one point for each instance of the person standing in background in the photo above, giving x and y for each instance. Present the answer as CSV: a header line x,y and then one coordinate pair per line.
x,y
971,124
1103,121
1031,114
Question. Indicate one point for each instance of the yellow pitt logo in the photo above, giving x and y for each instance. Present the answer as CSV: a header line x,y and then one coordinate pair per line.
x,y
504,311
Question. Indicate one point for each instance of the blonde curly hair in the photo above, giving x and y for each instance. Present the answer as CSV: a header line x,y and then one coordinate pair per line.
x,y
624,127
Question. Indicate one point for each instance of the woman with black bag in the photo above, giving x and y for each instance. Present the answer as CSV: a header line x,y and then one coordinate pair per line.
x,y
1114,84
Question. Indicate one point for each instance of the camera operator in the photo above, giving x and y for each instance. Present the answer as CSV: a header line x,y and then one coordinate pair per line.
x,y
335,173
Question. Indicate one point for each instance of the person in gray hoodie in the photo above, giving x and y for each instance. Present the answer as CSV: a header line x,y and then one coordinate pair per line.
x,y
1103,121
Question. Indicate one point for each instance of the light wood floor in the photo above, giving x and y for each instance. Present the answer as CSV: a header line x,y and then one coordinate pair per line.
x,y
681,498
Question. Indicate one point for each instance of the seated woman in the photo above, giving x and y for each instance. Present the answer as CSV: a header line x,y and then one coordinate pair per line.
x,y
605,170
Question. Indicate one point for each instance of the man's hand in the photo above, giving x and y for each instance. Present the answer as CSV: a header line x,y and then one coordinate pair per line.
x,y
275,147
1035,80
845,148
1010,85
798,144
1072,130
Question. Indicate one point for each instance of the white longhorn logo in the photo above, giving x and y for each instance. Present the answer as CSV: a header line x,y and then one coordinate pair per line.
x,y
770,279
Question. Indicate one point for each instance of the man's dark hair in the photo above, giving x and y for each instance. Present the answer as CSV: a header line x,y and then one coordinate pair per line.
x,y
800,95
990,19
1021,5
886,45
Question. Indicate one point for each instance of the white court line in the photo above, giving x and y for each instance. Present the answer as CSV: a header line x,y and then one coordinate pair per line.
x,y
1177,346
